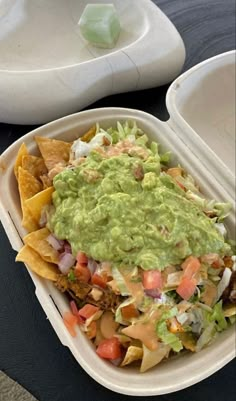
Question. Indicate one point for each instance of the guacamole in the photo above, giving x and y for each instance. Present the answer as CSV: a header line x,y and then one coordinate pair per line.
x,y
124,209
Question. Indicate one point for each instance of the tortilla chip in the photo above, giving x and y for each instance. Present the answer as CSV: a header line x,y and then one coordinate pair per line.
x,y
28,221
229,310
36,203
132,354
53,151
28,187
34,165
188,340
35,263
28,184
152,358
37,240
23,151
89,134
46,181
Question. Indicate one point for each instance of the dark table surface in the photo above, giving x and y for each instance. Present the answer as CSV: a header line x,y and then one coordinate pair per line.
x,y
30,351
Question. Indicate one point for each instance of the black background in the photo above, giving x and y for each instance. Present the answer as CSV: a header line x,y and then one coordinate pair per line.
x,y
30,351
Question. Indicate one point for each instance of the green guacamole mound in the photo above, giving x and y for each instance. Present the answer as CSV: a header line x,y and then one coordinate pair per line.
x,y
103,209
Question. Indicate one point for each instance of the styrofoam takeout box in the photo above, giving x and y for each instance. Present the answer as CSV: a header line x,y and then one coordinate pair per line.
x,y
47,69
201,100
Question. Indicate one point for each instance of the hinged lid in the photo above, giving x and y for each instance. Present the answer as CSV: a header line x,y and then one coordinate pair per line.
x,y
201,104
62,73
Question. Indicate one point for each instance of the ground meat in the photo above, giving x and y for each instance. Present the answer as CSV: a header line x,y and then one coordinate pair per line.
x,y
82,293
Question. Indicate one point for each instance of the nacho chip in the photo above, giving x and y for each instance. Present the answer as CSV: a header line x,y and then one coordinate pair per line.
x,y
28,221
188,340
37,240
229,310
53,151
23,151
89,134
28,187
28,184
152,358
45,181
34,165
132,354
36,203
35,263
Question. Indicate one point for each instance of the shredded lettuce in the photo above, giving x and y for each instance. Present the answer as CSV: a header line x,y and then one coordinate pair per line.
x,y
168,338
165,157
213,322
142,140
221,210
145,304
163,333
118,277
123,131
217,316
154,148
206,336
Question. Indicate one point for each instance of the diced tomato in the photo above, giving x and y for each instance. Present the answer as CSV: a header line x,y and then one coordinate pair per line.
x,y
75,312
186,288
152,279
82,273
92,330
109,348
88,310
101,281
191,266
82,258
129,311
70,321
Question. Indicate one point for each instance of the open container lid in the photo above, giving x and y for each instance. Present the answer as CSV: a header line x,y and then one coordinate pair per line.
x,y
52,72
201,104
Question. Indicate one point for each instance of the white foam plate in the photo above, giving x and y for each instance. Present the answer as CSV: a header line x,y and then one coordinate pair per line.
x,y
47,70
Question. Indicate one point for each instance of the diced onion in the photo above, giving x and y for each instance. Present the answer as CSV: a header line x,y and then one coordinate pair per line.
x,y
117,361
43,219
67,260
67,248
54,242
92,266
182,318
154,293
224,282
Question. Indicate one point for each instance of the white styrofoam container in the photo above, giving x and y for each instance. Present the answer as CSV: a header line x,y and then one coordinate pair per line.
x,y
47,69
191,151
